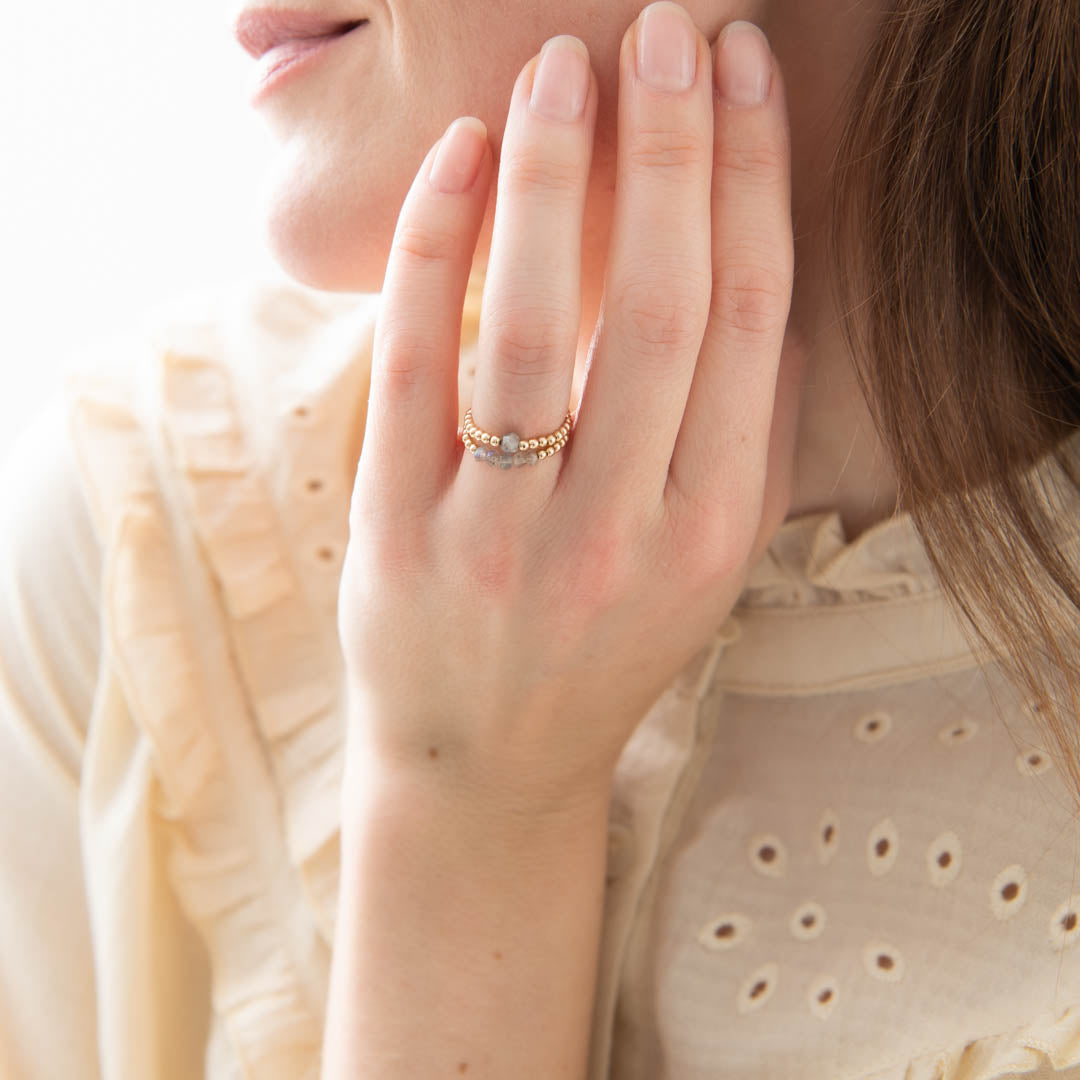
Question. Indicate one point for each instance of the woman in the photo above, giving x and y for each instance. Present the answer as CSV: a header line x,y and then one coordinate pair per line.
x,y
663,754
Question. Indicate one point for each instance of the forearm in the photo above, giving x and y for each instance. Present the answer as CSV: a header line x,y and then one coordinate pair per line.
x,y
467,937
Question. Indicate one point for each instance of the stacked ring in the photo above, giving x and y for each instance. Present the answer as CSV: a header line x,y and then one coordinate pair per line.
x,y
510,450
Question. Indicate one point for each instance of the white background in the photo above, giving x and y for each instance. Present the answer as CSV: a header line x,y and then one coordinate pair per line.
x,y
129,163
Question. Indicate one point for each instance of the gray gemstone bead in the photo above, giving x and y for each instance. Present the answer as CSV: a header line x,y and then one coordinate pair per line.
x,y
506,461
526,457
482,453
510,442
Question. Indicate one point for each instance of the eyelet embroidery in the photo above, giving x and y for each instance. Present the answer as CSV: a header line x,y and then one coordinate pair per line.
x,y
326,555
962,731
943,858
313,487
883,961
768,855
882,846
725,932
1033,762
808,921
1009,891
757,988
821,995
873,727
1033,710
1065,923
301,413
827,836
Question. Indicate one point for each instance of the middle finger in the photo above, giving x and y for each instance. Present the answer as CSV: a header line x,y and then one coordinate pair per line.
x,y
659,269
531,311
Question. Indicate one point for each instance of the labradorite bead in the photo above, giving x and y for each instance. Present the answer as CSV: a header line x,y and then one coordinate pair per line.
x,y
526,457
510,442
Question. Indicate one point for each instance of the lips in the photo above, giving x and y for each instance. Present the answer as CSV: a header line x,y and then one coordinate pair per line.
x,y
261,29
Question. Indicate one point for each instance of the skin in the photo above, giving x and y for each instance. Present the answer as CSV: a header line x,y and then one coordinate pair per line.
x,y
354,132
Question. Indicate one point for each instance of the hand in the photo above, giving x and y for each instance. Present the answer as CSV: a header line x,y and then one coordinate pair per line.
x,y
504,631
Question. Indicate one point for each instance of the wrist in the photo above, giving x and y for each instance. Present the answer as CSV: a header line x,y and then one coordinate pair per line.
x,y
459,781
468,928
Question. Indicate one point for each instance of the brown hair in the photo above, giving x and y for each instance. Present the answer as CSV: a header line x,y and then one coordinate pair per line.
x,y
956,246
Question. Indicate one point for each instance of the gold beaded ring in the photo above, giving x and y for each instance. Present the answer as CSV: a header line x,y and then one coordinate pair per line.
x,y
510,450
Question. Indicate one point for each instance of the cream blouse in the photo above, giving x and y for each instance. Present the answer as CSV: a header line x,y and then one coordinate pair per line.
x,y
830,857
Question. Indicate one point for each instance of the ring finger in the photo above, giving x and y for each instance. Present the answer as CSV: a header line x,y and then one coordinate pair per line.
x,y
531,312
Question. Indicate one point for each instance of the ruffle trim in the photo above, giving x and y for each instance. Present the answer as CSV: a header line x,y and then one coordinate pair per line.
x,y
1046,1041
232,796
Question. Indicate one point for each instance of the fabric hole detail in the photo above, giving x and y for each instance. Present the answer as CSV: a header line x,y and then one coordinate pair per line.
x,y
326,555
943,858
827,836
300,414
1009,891
1065,923
961,731
821,995
725,932
768,855
757,988
882,846
808,921
873,727
883,961
1033,762
1034,711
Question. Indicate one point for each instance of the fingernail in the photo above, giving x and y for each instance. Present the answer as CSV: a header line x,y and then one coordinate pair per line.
x,y
561,83
457,161
666,47
742,66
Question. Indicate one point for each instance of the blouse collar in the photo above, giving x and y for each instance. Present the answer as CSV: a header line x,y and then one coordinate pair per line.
x,y
811,561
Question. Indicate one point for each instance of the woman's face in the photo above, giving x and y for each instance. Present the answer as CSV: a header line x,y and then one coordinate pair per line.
x,y
354,128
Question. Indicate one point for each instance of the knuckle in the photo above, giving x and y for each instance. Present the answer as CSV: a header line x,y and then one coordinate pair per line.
x,y
758,160
752,300
384,547
712,547
404,361
660,150
657,317
528,347
530,174
602,571
419,246
493,574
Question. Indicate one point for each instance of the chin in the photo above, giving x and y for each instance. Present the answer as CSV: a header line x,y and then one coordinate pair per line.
x,y
318,238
